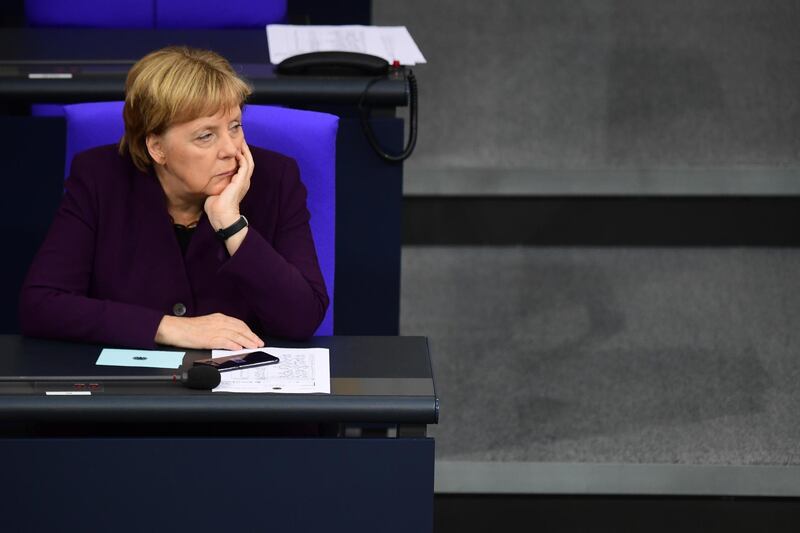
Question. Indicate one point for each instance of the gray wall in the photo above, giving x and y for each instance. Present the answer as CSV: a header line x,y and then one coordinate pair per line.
x,y
602,84
682,355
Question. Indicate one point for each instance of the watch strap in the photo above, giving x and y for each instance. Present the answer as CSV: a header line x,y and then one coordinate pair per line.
x,y
226,233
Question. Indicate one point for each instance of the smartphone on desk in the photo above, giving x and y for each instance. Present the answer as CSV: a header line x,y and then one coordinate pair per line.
x,y
240,361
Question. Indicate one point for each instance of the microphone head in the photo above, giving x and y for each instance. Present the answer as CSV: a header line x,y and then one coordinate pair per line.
x,y
201,377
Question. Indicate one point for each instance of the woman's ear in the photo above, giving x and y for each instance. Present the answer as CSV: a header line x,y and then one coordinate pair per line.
x,y
155,148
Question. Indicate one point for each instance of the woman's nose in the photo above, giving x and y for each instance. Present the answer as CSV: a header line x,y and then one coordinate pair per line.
x,y
229,148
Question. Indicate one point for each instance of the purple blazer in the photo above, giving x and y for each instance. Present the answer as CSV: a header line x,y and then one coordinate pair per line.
x,y
111,267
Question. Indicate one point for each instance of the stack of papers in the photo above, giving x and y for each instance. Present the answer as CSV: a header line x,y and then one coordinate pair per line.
x,y
300,370
392,43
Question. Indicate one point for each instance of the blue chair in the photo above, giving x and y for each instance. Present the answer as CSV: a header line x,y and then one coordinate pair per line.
x,y
155,13
213,14
148,14
90,13
307,136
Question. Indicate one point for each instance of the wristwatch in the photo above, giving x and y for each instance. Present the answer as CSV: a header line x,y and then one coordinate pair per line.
x,y
226,233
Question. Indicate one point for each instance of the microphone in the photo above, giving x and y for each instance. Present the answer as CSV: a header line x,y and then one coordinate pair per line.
x,y
197,377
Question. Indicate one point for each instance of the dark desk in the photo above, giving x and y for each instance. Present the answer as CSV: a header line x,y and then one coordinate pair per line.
x,y
373,380
63,467
368,193
98,72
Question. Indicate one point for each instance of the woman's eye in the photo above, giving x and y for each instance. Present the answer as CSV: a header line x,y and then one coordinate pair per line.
x,y
204,137
236,127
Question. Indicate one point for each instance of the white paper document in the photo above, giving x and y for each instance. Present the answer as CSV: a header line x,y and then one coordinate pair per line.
x,y
300,370
389,42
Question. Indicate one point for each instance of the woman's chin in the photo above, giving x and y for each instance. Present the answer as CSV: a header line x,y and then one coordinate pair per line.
x,y
219,186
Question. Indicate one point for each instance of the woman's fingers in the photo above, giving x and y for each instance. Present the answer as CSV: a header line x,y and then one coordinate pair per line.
x,y
243,340
240,182
248,158
222,343
246,164
239,332
241,328
233,340
249,155
241,172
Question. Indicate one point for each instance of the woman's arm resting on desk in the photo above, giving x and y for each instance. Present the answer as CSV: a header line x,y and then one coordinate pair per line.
x,y
54,301
283,278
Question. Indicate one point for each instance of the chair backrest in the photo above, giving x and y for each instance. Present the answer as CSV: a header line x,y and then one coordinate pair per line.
x,y
155,13
90,13
213,14
307,136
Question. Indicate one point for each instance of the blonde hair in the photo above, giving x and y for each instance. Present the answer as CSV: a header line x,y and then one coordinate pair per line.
x,y
173,85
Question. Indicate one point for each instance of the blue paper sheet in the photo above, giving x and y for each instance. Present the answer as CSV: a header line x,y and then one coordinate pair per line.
x,y
142,358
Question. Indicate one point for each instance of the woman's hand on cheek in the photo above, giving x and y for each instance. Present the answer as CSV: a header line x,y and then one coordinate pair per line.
x,y
223,209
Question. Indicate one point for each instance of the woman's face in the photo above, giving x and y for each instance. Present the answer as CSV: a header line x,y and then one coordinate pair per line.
x,y
198,158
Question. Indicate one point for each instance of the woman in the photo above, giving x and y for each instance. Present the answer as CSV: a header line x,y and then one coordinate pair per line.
x,y
182,235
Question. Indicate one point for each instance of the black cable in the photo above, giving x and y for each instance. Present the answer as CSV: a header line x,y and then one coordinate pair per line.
x,y
412,121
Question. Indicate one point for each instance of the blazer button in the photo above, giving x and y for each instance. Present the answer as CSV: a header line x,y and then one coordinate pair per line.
x,y
179,309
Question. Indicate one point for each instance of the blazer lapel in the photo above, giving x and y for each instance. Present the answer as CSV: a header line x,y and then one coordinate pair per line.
x,y
157,234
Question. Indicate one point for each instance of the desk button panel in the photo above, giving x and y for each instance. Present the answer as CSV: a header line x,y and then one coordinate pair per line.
x,y
179,309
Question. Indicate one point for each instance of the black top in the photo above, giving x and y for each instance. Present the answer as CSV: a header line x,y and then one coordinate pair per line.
x,y
184,235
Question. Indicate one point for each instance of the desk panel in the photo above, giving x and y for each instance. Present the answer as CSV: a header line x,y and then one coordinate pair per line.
x,y
216,485
134,458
